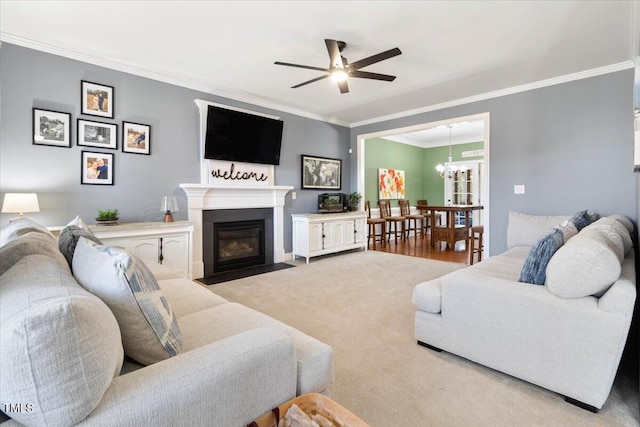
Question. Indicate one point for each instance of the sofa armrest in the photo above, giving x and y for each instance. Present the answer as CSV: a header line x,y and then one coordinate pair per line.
x,y
226,383
621,296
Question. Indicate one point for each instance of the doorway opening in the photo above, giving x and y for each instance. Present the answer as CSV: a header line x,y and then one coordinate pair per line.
x,y
473,159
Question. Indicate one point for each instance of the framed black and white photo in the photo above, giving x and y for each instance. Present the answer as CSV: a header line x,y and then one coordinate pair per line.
x,y
97,99
96,168
97,134
321,173
136,138
51,128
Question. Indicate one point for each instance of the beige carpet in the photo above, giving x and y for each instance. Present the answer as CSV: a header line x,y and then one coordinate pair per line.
x,y
360,304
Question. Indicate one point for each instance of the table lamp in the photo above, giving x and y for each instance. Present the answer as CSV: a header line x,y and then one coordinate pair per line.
x,y
20,203
168,204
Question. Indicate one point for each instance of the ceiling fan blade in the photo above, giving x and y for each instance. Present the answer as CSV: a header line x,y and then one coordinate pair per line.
x,y
302,66
344,87
375,58
310,81
374,76
334,53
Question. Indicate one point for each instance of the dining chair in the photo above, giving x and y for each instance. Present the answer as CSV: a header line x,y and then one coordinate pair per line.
x,y
427,216
475,235
405,211
391,221
373,223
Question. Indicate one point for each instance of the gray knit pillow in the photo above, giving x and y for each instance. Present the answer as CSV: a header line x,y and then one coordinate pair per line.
x,y
70,235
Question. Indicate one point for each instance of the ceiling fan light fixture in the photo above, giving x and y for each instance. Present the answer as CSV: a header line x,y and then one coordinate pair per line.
x,y
339,75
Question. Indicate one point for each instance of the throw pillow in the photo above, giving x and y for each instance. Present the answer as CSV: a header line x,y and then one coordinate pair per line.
x,y
535,266
70,235
149,328
568,230
581,219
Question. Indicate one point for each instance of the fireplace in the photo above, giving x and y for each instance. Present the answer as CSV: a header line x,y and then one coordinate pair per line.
x,y
234,239
238,244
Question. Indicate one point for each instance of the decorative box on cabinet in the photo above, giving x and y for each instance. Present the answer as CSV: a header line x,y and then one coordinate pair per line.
x,y
320,234
165,243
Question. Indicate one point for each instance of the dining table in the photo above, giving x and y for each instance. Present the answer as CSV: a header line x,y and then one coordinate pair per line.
x,y
449,231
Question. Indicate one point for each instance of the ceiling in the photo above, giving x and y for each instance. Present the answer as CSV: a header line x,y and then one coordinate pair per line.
x,y
452,51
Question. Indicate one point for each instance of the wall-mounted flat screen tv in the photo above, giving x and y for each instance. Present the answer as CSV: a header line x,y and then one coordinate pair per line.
x,y
242,137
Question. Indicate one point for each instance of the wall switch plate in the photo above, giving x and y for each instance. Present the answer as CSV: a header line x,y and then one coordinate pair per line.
x,y
293,195
518,189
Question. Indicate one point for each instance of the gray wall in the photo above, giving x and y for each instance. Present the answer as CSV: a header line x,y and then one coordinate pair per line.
x,y
31,78
570,144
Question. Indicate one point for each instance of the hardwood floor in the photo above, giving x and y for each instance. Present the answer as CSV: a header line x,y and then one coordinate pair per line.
x,y
419,247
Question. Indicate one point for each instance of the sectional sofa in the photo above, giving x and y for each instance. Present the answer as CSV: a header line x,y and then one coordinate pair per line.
x,y
89,335
565,334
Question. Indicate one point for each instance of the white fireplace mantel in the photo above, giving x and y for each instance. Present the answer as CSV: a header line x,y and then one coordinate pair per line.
x,y
205,197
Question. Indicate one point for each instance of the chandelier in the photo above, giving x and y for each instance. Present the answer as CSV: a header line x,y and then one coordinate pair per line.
x,y
449,170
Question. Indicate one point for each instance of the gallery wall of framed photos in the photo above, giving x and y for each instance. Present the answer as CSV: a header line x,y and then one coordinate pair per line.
x,y
54,129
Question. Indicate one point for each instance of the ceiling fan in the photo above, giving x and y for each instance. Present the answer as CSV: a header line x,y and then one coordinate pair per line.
x,y
339,69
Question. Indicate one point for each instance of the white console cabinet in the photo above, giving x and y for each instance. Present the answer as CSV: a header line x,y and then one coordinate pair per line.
x,y
320,234
165,243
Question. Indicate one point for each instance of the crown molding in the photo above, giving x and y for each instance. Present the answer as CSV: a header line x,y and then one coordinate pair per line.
x,y
250,99
502,92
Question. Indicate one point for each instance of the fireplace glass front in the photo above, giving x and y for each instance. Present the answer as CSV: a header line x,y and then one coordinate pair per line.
x,y
238,245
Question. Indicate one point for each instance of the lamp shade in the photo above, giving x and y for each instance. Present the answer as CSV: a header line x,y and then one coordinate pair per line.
x,y
20,203
169,204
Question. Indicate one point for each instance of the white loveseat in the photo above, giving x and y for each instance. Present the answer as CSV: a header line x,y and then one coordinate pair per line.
x,y
566,335
62,360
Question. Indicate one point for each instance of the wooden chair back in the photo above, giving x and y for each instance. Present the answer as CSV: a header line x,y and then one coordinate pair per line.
x,y
423,202
367,207
405,209
385,208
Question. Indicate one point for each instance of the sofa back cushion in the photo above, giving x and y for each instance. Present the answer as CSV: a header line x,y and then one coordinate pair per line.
x,y
587,264
60,346
149,328
19,226
525,230
30,243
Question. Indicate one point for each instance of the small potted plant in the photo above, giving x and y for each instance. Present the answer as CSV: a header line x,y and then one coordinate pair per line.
x,y
107,216
354,201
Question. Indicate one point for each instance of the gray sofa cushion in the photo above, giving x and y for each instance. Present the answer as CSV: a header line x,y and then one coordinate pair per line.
x,y
314,358
60,346
587,265
525,230
31,243
186,297
19,226
149,328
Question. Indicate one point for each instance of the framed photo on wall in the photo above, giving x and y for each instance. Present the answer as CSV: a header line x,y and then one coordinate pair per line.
x,y
96,99
97,134
136,138
51,128
96,168
321,173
